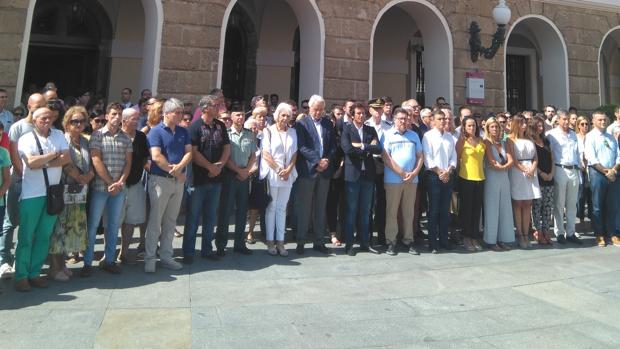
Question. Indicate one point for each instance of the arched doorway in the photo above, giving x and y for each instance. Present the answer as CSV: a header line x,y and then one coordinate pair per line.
x,y
272,47
411,53
536,70
69,45
126,36
609,67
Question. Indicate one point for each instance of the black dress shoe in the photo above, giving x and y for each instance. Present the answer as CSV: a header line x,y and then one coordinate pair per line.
x,y
561,239
320,248
574,239
414,251
350,251
369,249
221,252
188,259
391,250
243,250
300,249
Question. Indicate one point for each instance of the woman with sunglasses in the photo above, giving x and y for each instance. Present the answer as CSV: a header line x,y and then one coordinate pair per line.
x,y
69,233
97,121
542,209
585,194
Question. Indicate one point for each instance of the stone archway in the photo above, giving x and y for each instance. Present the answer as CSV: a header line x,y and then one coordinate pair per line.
x,y
276,22
147,48
536,65
609,67
411,53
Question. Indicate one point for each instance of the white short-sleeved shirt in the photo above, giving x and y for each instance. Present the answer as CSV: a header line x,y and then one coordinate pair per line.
x,y
33,182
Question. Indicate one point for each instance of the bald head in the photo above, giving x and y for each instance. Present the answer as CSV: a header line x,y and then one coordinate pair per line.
x,y
36,100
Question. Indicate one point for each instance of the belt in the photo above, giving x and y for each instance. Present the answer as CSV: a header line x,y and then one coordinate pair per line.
x,y
165,175
568,167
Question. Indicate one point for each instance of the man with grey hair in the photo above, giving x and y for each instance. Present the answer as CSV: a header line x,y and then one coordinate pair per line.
x,y
210,151
170,149
11,219
134,210
565,149
316,142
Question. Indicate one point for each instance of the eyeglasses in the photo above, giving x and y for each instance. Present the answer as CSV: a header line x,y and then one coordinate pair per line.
x,y
99,121
4,97
19,115
416,107
76,122
187,119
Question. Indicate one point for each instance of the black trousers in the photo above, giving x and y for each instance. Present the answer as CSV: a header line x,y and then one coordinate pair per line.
x,y
470,206
377,216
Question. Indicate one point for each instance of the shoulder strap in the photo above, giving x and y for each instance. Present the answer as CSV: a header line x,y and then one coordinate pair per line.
x,y
47,183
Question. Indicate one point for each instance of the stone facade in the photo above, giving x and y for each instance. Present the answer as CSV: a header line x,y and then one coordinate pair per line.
x,y
191,43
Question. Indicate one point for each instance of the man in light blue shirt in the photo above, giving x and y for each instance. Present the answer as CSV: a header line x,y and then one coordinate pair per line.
x,y
403,157
6,117
564,146
603,156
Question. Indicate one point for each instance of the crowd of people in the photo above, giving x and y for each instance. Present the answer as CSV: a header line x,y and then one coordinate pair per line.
x,y
340,174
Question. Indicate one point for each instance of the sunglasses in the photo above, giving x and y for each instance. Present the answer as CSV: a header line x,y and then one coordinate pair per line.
x,y
18,115
76,122
99,121
187,119
583,124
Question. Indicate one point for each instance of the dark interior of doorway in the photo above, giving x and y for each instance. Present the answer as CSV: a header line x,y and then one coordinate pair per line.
x,y
516,95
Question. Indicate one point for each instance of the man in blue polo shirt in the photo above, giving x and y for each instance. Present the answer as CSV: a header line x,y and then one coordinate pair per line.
x,y
171,152
403,158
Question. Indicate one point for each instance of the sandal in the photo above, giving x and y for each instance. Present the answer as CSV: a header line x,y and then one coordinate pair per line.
x,y
250,240
335,241
177,234
539,237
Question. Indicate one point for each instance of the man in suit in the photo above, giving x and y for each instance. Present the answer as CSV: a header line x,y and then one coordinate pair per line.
x,y
316,142
359,143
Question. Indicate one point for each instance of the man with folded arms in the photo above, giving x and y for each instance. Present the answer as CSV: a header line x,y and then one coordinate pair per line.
x,y
403,157
601,150
171,152
565,149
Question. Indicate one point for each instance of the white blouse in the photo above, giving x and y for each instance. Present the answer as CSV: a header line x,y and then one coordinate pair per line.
x,y
282,146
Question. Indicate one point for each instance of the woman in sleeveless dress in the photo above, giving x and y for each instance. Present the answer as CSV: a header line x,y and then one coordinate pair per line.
x,y
523,177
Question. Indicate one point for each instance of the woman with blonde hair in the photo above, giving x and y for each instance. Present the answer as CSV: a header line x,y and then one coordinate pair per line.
x,y
155,115
497,208
524,185
69,234
259,115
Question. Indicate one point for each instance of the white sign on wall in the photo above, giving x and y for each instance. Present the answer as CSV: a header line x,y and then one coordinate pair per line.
x,y
474,82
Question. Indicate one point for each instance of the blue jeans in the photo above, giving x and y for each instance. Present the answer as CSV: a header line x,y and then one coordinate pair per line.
x,y
205,199
603,204
235,198
113,205
10,221
359,202
439,194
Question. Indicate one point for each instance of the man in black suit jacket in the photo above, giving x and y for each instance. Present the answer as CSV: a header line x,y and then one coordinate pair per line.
x,y
316,144
359,142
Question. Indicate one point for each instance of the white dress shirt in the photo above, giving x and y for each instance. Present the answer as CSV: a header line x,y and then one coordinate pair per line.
x,y
439,150
564,146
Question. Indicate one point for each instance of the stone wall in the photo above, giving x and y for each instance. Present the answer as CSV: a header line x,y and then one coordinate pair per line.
x,y
192,28
12,24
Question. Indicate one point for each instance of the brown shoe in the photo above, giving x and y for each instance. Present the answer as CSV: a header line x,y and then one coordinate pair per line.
x,y
38,282
615,241
22,286
600,241
111,268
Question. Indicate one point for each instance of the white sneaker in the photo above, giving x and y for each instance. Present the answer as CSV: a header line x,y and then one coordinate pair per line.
x,y
149,265
6,271
171,264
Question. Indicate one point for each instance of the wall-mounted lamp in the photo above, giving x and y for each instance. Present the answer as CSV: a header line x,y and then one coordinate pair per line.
x,y
501,16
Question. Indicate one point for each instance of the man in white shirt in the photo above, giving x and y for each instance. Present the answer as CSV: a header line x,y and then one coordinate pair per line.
x,y
440,161
613,129
376,121
564,146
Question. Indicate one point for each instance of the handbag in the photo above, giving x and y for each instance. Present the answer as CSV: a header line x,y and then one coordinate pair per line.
x,y
259,194
75,193
55,193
